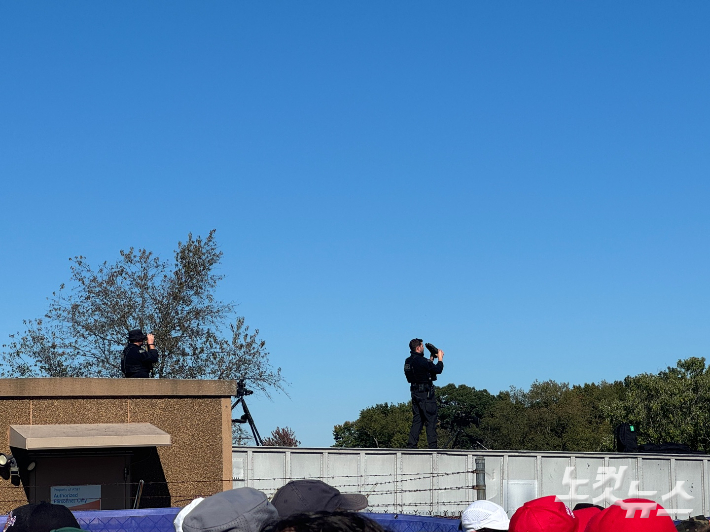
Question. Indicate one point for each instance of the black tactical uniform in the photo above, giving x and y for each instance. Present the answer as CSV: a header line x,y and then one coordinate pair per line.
x,y
137,360
420,373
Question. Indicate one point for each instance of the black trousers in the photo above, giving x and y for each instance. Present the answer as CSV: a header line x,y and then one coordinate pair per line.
x,y
424,410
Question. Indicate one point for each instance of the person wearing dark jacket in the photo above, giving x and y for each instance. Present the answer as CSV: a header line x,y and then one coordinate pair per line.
x,y
420,374
137,359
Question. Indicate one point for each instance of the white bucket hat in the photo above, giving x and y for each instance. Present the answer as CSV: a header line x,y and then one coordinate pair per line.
x,y
484,514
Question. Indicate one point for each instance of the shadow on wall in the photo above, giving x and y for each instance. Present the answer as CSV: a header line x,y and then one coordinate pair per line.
x,y
146,466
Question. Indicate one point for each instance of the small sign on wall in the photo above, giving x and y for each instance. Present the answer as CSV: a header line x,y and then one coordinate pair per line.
x,y
77,497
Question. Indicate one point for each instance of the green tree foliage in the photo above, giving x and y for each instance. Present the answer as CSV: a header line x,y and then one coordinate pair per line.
x,y
382,425
461,409
671,406
551,416
85,328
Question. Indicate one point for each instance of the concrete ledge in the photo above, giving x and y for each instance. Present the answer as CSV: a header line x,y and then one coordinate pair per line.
x,y
95,435
88,387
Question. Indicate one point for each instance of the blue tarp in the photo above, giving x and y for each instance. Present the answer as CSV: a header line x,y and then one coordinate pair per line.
x,y
415,523
161,520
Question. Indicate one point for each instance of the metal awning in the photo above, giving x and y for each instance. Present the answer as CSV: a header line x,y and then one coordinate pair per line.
x,y
96,435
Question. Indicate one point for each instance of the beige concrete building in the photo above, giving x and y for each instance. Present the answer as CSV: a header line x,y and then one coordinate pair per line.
x,y
90,442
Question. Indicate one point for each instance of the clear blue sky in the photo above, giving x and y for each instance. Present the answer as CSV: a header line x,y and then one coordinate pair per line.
x,y
525,184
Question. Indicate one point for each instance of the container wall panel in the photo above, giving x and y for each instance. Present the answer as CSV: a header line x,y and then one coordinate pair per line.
x,y
522,467
454,481
586,469
553,475
380,481
688,487
416,484
656,480
343,472
307,465
268,471
494,478
616,481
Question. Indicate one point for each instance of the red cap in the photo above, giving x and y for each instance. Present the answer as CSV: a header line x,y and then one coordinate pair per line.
x,y
584,515
632,515
546,514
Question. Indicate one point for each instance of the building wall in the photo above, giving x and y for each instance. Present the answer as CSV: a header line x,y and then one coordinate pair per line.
x,y
197,415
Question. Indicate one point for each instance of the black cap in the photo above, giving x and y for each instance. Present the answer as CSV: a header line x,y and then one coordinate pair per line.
x,y
136,335
300,496
41,517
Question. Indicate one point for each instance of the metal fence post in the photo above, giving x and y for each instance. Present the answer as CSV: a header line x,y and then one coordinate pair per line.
x,y
480,471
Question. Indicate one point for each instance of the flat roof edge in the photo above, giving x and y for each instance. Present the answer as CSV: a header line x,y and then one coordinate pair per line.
x,y
57,387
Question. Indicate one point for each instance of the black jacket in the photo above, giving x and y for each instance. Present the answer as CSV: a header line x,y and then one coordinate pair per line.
x,y
420,370
136,362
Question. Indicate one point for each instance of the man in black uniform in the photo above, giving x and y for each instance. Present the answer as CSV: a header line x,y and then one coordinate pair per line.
x,y
420,374
137,360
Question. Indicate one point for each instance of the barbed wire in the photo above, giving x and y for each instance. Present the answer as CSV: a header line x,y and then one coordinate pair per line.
x,y
368,475
426,476
168,483
387,474
364,478
410,477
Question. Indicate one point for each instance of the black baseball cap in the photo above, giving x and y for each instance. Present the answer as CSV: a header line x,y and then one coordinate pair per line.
x,y
40,517
300,496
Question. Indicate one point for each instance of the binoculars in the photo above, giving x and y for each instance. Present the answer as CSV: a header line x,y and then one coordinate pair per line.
x,y
432,349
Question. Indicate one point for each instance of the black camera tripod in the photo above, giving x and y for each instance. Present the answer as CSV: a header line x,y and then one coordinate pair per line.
x,y
246,417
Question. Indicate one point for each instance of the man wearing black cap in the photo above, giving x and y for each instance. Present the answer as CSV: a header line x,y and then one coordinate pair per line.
x,y
420,374
310,495
137,359
41,517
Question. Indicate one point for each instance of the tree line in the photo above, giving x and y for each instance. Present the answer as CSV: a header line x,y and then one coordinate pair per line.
x,y
672,405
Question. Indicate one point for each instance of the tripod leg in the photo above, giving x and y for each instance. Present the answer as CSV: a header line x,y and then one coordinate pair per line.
x,y
257,437
239,400
252,425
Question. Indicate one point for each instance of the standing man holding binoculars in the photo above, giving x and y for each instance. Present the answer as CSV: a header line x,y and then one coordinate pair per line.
x,y
137,359
421,374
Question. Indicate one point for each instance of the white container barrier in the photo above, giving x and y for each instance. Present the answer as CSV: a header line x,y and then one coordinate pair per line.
x,y
442,483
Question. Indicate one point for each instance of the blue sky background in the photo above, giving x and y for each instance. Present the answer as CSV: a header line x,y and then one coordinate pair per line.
x,y
525,184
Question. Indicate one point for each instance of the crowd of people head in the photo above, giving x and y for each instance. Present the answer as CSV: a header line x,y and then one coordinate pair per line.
x,y
299,506
314,506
